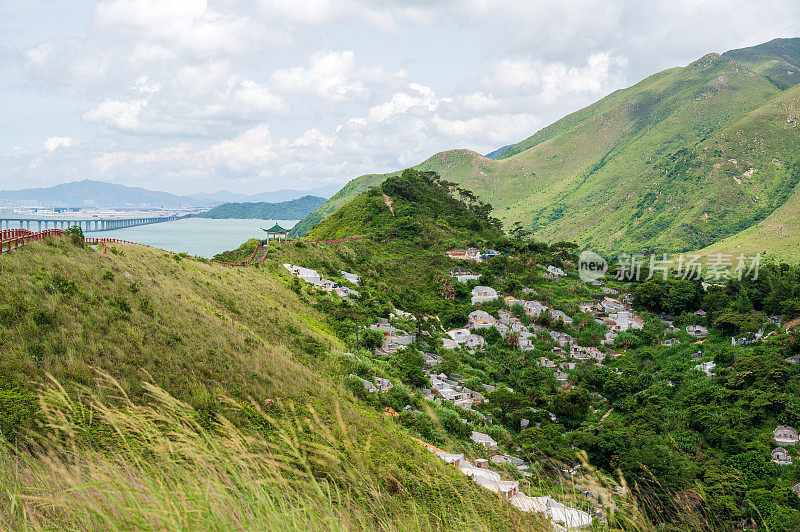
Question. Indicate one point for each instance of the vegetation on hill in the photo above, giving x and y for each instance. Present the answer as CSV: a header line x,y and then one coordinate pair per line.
x,y
413,205
142,389
286,210
679,161
695,450
777,60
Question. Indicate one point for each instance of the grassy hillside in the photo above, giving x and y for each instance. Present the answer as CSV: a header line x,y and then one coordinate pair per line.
x,y
778,60
683,159
338,200
775,237
286,210
185,394
414,204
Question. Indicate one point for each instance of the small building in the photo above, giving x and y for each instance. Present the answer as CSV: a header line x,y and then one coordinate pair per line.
x,y
503,329
464,275
747,339
611,306
480,319
458,335
276,232
534,309
449,343
781,456
559,352
669,342
383,385
431,359
306,274
368,386
563,339
796,489
483,294
483,439
465,254
785,435
475,342
452,459
707,368
561,376
353,278
560,315
698,331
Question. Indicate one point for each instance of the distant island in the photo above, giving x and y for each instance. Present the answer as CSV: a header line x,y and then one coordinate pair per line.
x,y
286,210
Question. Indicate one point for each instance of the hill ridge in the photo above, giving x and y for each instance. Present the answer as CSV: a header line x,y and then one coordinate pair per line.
x,y
646,168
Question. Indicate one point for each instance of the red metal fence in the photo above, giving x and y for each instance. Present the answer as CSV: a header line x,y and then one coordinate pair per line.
x,y
8,234
16,238
19,241
337,241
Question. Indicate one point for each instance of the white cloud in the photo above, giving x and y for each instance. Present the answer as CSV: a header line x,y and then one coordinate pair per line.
x,y
262,93
251,150
54,143
329,76
549,80
174,27
402,102
122,115
145,85
250,96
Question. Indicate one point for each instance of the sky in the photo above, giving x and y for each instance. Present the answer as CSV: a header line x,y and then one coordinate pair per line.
x,y
252,96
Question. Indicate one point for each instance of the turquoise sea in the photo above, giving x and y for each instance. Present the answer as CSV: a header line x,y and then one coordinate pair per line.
x,y
196,236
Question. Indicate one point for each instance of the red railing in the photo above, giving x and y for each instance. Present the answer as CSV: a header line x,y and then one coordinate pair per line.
x,y
98,241
19,241
8,234
27,236
337,241
119,241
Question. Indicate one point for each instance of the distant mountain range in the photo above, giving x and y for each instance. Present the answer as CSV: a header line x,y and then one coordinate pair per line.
x,y
224,196
684,159
295,209
498,152
89,193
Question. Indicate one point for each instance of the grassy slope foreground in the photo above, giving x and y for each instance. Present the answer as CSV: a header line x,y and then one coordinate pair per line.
x,y
683,159
141,391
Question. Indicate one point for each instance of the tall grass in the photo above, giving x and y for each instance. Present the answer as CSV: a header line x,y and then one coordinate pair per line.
x,y
157,467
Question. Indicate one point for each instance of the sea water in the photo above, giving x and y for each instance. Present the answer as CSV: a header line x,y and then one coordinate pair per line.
x,y
196,236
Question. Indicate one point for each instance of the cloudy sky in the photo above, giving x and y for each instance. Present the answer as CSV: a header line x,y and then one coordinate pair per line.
x,y
259,95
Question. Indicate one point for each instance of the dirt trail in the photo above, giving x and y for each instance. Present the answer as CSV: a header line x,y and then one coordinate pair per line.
x,y
388,201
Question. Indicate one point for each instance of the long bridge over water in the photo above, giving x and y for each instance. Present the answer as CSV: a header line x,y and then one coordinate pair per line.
x,y
41,223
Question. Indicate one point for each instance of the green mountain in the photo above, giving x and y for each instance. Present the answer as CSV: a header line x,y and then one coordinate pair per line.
x,y
286,210
777,60
414,205
679,161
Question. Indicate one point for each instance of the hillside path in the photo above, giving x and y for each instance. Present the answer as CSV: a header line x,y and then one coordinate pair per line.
x,y
388,201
